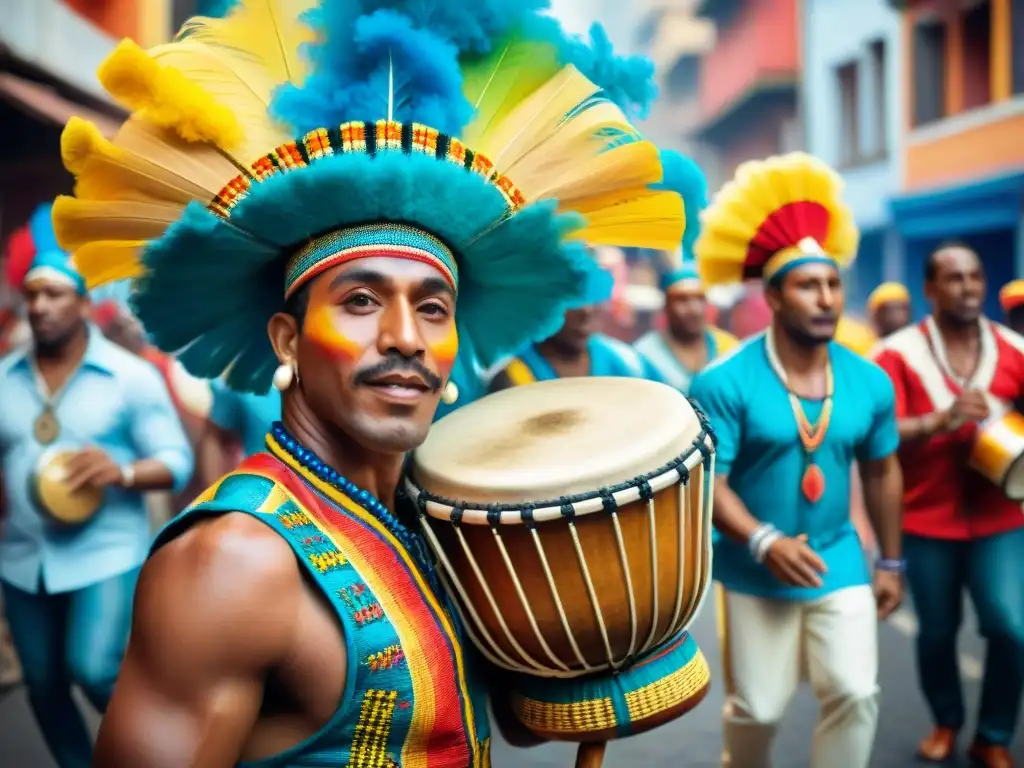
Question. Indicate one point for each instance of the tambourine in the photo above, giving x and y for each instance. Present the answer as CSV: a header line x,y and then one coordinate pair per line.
x,y
50,490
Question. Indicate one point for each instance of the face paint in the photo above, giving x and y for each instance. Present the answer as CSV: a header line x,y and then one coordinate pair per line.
x,y
321,326
445,350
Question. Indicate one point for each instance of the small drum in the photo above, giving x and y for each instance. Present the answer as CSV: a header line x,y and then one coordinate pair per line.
x,y
572,519
998,453
52,495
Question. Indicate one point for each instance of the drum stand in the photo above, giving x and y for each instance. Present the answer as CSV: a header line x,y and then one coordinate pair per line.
x,y
591,754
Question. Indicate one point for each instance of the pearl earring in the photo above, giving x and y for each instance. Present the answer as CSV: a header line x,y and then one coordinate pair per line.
x,y
283,377
450,393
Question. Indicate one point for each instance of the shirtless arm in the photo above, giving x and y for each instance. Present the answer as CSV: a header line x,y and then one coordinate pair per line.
x,y
214,612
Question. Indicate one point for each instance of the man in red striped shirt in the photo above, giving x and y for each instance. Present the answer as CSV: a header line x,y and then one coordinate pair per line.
x,y
952,372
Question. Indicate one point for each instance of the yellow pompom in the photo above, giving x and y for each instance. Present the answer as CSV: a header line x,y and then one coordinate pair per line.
x,y
166,97
78,142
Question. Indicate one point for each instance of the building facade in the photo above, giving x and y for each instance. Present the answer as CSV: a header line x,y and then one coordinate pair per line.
x,y
49,52
749,82
963,165
852,106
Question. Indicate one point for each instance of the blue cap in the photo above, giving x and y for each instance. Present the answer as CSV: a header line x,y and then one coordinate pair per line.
x,y
687,273
55,266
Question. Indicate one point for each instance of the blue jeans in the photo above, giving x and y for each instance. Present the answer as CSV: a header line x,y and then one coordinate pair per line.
x,y
72,638
992,571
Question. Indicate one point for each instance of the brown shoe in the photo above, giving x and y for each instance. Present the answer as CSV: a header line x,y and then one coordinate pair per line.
x,y
990,756
938,746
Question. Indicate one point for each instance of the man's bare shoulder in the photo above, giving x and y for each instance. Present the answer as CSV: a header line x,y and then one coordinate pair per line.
x,y
217,581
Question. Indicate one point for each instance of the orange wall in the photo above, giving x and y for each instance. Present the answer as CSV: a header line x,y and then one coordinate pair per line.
x,y
974,153
119,18
759,41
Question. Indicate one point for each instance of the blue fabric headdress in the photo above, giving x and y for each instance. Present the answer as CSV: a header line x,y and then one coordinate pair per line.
x,y
55,266
291,136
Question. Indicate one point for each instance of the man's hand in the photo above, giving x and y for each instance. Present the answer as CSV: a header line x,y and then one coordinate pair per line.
x,y
794,563
94,467
970,406
888,589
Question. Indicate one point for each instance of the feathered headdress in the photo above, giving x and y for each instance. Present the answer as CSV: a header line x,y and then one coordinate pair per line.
x,y
290,136
775,214
685,178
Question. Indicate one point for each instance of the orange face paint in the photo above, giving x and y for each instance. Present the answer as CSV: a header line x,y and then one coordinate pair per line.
x,y
445,350
321,328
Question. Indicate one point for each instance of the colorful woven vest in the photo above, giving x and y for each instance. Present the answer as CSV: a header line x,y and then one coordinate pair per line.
x,y
409,698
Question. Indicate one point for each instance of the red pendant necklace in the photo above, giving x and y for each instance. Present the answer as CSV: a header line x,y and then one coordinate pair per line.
x,y
812,483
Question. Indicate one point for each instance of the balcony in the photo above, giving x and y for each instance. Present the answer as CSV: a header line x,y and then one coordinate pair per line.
x,y
50,37
756,58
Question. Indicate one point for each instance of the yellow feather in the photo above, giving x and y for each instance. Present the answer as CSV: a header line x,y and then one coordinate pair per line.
x,y
166,97
535,118
640,218
107,172
79,222
109,261
625,166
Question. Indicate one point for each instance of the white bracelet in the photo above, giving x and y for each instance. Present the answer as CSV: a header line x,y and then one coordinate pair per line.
x,y
757,537
764,545
127,475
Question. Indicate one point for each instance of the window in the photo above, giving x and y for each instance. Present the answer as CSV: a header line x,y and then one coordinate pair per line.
x,y
1017,42
880,116
929,75
849,115
977,47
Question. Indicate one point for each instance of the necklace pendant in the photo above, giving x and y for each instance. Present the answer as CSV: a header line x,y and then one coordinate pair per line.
x,y
46,428
812,484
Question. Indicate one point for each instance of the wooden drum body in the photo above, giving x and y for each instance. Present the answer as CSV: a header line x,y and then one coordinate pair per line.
x,y
572,519
998,453
52,495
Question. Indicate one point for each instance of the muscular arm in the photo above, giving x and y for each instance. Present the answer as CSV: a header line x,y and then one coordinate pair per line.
x,y
883,497
214,612
914,429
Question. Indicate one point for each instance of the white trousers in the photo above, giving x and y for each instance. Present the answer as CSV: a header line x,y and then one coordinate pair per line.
x,y
768,646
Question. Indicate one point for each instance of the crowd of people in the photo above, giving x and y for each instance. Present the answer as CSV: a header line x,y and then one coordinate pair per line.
x,y
202,527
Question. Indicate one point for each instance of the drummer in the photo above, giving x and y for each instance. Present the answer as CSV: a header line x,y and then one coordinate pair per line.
x,y
689,342
332,643
889,308
952,371
68,590
791,410
1011,299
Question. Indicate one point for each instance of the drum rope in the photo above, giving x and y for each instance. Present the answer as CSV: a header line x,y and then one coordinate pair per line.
x,y
592,594
559,605
652,528
611,508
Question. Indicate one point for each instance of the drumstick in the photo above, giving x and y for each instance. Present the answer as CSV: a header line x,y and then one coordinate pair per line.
x,y
591,755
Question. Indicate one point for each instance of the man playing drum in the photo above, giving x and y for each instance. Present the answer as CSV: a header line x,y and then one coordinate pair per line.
x,y
292,616
792,409
951,372
689,342
75,535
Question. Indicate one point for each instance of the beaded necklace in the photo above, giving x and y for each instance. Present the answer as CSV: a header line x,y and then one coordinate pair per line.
x,y
312,463
812,483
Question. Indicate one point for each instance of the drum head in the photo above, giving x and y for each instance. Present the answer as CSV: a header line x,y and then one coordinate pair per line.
x,y
555,438
55,497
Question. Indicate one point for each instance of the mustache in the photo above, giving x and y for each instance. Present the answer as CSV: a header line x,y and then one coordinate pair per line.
x,y
396,363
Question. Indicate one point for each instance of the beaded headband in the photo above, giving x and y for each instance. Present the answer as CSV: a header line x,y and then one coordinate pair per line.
x,y
383,239
368,139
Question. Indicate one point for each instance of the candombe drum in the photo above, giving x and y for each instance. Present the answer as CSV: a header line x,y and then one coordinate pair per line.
x,y
998,453
54,497
572,522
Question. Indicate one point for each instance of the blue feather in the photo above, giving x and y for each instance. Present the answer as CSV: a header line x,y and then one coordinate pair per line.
x,y
683,176
216,9
628,81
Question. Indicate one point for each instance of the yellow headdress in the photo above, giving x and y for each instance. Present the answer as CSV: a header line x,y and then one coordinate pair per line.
x,y
887,293
775,214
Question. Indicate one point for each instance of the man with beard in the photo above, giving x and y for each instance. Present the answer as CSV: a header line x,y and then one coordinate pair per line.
x,y
791,410
68,589
889,308
292,616
951,372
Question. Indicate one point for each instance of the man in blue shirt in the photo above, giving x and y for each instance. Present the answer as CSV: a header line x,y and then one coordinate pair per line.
x,y
792,410
68,589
